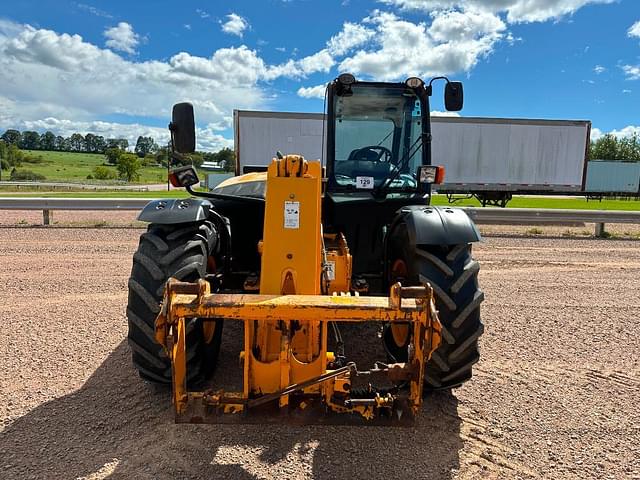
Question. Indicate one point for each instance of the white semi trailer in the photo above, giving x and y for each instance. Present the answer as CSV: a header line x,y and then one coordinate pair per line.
x,y
490,158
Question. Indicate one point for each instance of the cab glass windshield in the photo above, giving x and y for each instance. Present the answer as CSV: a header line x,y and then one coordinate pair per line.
x,y
377,138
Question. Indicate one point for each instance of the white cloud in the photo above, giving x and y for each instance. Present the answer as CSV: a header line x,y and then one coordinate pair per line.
x,y
352,35
122,38
626,90
202,13
48,75
517,10
49,81
599,69
454,42
627,131
47,48
234,65
455,26
631,71
321,61
634,30
235,24
312,92
94,11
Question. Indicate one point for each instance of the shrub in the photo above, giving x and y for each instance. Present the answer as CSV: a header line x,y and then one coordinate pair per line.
x,y
4,164
14,156
112,155
89,177
129,167
26,158
104,173
148,161
26,175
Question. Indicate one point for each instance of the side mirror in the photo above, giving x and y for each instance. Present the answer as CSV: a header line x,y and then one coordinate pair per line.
x,y
183,128
453,96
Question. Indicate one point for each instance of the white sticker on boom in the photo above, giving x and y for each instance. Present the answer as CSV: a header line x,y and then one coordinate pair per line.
x,y
291,214
331,271
364,182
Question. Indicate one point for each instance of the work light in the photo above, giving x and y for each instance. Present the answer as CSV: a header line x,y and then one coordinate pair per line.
x,y
346,79
431,174
184,176
414,82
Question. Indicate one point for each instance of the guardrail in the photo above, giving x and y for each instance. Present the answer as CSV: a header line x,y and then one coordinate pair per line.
x,y
47,205
72,185
523,216
531,216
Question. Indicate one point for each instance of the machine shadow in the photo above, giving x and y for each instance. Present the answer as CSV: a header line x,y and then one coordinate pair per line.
x,y
115,425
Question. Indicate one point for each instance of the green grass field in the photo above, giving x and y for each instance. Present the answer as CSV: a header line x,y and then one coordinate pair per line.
x,y
577,203
74,167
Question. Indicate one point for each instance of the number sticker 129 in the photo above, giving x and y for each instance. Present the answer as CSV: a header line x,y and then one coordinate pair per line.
x,y
365,183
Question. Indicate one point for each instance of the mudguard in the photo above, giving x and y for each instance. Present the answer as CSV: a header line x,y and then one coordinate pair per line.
x,y
428,225
176,210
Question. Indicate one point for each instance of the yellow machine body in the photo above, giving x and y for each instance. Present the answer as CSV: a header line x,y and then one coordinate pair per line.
x,y
305,284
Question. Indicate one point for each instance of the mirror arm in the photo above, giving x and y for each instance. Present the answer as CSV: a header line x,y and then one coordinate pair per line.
x,y
429,88
438,78
175,155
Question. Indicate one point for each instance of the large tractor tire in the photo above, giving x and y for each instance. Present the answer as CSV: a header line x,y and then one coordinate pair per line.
x,y
453,274
180,251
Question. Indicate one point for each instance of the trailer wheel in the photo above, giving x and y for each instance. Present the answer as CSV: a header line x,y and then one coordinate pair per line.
x,y
453,274
180,251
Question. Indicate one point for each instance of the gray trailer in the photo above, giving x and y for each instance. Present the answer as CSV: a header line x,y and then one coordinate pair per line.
x,y
490,158
495,158
259,135
612,178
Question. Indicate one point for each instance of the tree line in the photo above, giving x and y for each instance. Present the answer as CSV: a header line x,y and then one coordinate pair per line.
x,y
146,147
610,147
127,165
89,143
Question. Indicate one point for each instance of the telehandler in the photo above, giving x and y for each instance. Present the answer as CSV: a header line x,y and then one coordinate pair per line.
x,y
296,250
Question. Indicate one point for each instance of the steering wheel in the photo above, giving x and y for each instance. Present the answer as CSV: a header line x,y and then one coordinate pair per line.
x,y
382,154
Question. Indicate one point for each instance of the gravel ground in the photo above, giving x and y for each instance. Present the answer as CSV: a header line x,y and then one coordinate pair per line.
x,y
555,394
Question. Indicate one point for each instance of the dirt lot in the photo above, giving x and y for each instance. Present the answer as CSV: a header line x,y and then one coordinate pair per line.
x,y
556,394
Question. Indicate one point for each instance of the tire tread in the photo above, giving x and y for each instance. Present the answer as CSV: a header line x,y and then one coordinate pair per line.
x,y
165,251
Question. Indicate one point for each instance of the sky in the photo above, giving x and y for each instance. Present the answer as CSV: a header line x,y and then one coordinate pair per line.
x,y
115,68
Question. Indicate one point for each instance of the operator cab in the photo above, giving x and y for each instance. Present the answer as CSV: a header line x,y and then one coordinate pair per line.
x,y
378,158
375,128
379,136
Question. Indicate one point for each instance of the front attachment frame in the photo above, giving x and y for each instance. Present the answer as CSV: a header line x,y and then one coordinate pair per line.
x,y
305,391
